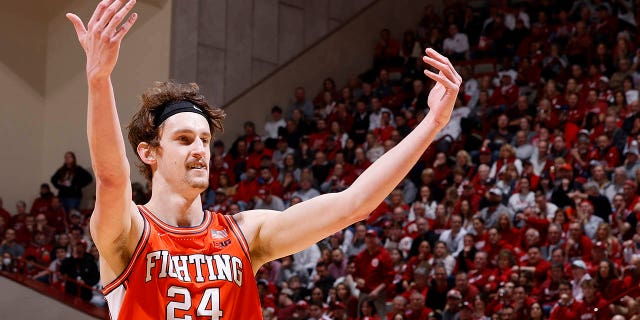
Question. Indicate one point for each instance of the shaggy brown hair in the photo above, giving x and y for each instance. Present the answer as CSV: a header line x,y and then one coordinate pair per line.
x,y
142,128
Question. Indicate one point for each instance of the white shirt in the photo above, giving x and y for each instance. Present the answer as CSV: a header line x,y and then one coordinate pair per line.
x,y
306,195
591,226
271,128
577,289
471,89
454,243
308,258
458,44
551,211
518,202
374,120
537,163
453,128
524,152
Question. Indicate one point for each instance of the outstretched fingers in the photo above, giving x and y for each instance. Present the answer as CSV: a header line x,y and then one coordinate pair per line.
x,y
117,19
443,64
98,13
108,13
125,27
440,78
437,56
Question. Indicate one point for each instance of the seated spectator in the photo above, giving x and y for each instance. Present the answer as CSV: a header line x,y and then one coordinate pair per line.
x,y
51,275
456,46
39,250
454,237
80,266
25,230
43,202
482,276
416,308
523,199
567,308
593,305
273,126
345,296
10,246
578,245
267,200
387,51
300,103
418,98
506,94
43,226
453,305
247,188
18,219
373,147
579,275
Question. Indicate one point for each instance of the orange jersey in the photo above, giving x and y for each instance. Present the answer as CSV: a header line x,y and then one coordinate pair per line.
x,y
194,273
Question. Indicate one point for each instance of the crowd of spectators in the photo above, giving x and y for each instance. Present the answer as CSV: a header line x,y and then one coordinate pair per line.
x,y
524,207
50,242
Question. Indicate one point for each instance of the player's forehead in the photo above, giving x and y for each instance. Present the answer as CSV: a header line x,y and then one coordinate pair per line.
x,y
186,122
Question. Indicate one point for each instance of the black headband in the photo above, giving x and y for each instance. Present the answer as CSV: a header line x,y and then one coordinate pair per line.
x,y
174,107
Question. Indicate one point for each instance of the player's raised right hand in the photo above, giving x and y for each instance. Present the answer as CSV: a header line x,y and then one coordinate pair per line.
x,y
103,34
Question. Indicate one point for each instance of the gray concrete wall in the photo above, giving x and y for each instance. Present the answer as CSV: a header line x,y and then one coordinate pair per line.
x,y
228,45
344,54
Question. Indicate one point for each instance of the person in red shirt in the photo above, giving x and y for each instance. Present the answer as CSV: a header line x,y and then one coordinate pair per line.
x,y
247,188
537,265
39,250
605,153
42,203
383,133
267,181
567,307
578,245
593,305
257,153
495,245
416,309
56,215
549,290
374,272
467,290
318,138
387,50
219,167
481,276
507,93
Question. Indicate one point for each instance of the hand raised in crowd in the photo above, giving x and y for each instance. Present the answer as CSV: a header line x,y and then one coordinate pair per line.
x,y
104,32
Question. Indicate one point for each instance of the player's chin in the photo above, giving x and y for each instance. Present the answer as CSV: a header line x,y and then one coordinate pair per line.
x,y
198,182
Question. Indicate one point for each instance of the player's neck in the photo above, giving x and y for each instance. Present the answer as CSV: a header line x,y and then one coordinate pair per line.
x,y
176,209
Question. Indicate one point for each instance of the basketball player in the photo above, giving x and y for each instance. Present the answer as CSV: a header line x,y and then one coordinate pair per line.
x,y
170,260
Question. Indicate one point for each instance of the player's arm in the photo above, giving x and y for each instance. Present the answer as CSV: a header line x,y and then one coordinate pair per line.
x,y
275,234
111,220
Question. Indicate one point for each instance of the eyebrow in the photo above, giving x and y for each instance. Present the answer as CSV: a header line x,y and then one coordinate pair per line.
x,y
190,131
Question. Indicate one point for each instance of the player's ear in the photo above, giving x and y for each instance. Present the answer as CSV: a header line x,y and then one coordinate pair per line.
x,y
147,153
